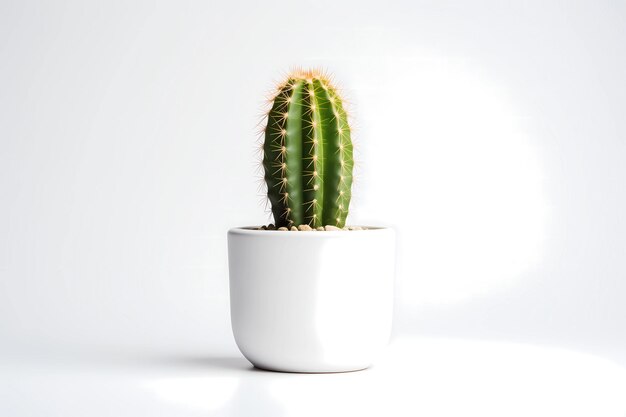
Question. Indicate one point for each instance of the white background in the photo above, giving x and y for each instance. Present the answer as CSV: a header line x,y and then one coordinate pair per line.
x,y
490,135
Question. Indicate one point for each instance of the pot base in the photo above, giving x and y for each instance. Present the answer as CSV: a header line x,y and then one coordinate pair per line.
x,y
307,371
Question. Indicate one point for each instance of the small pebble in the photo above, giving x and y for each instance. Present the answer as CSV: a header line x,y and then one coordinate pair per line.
x,y
271,227
321,228
355,228
263,227
284,229
304,228
331,228
294,229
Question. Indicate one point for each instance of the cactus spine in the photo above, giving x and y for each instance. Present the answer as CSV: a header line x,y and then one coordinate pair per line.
x,y
307,153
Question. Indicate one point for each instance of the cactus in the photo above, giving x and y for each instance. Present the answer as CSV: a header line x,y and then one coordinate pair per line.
x,y
307,153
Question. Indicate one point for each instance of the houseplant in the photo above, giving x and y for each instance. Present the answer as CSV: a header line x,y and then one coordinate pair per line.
x,y
309,294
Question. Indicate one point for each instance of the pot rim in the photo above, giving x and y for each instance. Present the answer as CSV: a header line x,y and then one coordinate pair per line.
x,y
314,234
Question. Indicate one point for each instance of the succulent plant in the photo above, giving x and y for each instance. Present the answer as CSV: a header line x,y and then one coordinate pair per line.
x,y
307,153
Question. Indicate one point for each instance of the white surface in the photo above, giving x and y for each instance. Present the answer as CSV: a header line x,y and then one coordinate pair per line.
x,y
326,305
434,377
491,136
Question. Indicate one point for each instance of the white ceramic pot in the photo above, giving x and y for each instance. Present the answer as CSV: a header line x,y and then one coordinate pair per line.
x,y
311,301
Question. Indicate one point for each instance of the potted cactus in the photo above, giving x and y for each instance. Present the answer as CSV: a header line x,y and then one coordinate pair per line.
x,y
309,294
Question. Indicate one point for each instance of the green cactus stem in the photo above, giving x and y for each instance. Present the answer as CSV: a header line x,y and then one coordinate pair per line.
x,y
307,153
